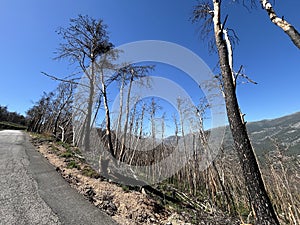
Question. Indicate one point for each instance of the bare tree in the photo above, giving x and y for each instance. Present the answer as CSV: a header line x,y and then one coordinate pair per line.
x,y
83,42
63,106
104,80
52,114
138,131
128,75
38,115
258,196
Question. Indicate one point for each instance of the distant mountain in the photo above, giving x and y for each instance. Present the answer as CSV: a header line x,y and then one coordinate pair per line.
x,y
264,134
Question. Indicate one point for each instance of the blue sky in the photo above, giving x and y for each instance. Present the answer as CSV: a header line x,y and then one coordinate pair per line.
x,y
28,41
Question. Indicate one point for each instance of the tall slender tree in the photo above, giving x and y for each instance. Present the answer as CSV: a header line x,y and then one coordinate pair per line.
x,y
127,75
84,41
258,196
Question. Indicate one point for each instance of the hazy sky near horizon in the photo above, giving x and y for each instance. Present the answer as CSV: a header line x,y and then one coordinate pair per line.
x,y
28,42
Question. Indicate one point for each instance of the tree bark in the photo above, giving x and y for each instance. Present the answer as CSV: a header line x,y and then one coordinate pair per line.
x,y
259,199
282,23
140,134
64,104
119,126
107,116
88,120
124,139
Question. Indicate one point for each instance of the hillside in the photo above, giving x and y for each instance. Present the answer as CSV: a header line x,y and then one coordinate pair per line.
x,y
266,134
284,130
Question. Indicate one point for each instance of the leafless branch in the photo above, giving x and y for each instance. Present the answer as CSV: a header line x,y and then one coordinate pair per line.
x,y
244,76
65,80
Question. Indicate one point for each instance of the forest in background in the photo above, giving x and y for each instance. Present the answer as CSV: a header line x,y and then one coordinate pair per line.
x,y
11,120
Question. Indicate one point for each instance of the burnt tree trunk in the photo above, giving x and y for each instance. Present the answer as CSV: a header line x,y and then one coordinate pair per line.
x,y
87,129
107,116
259,199
124,139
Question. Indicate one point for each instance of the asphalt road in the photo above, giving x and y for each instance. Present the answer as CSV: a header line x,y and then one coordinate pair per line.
x,y
32,192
